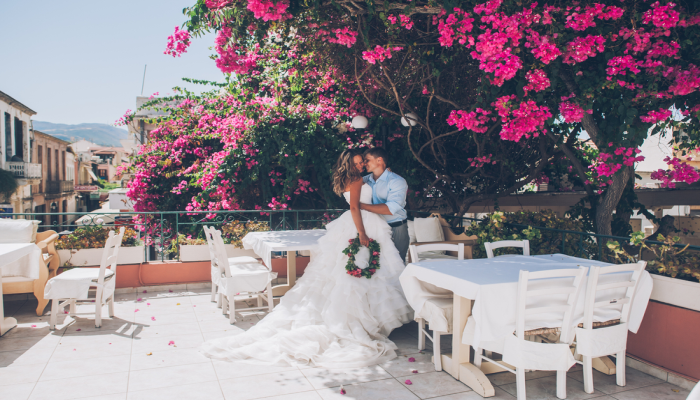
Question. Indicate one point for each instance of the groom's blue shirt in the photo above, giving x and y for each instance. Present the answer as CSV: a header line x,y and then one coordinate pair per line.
x,y
389,189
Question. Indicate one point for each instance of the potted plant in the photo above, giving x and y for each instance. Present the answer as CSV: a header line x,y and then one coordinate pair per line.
x,y
85,245
196,249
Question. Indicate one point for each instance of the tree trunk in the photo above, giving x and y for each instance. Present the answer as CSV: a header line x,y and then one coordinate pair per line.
x,y
608,202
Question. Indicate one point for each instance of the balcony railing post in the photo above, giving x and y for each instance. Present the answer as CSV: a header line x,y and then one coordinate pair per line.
x,y
177,233
162,250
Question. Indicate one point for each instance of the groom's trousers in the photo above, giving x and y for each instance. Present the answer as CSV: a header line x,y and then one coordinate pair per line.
x,y
401,240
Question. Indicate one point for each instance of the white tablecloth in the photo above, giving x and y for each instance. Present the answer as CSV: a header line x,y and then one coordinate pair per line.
x,y
20,259
492,284
264,243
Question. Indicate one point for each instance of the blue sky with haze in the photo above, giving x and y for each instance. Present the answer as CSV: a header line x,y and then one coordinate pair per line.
x,y
82,61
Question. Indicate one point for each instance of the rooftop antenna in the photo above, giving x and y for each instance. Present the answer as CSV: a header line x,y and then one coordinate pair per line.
x,y
144,78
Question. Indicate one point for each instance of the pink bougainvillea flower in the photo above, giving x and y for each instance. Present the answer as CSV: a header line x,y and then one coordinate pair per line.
x,y
408,382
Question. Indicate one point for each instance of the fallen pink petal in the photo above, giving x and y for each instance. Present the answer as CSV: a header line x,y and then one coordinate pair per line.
x,y
415,371
171,343
411,359
342,390
153,318
136,310
33,326
78,330
408,382
139,299
145,291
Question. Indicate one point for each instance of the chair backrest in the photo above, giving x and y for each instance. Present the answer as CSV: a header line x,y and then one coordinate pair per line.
x,y
550,292
208,234
220,252
491,246
110,254
611,287
415,249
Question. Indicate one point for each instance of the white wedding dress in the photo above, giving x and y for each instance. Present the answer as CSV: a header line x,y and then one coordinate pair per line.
x,y
329,318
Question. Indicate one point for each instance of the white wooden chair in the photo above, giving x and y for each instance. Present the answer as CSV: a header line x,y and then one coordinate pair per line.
x,y
609,289
491,246
102,278
556,299
241,281
435,305
215,273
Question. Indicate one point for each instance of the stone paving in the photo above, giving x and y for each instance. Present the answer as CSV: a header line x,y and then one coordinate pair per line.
x,y
132,357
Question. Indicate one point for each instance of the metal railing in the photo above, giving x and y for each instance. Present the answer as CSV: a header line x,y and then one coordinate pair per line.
x,y
59,186
584,244
24,170
158,230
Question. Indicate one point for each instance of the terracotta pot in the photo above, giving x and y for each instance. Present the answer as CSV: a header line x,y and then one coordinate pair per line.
x,y
668,338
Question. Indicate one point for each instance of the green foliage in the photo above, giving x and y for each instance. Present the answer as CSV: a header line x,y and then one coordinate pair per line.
x,y
523,225
94,237
666,259
8,184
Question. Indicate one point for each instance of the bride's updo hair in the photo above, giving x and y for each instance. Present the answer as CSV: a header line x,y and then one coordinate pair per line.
x,y
345,171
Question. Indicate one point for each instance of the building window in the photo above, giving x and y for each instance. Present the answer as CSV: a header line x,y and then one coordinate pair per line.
x,y
8,137
103,173
58,175
63,164
40,159
19,138
48,164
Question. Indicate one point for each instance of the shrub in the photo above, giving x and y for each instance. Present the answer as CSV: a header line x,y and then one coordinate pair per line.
x,y
666,259
94,237
526,225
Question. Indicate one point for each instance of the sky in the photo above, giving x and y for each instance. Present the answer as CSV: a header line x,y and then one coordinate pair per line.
x,y
82,61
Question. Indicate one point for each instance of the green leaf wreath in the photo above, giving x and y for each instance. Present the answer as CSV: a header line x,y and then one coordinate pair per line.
x,y
353,249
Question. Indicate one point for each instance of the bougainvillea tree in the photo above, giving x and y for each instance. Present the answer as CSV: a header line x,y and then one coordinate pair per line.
x,y
491,93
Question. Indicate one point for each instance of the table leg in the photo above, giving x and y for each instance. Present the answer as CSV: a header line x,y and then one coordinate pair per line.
x,y
280,290
458,364
5,323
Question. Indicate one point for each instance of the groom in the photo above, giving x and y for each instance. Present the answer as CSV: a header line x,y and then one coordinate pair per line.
x,y
388,196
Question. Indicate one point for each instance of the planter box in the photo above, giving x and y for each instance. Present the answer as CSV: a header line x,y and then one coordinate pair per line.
x,y
676,292
93,257
668,339
189,253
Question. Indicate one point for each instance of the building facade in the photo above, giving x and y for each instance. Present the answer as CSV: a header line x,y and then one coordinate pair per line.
x,y
16,143
54,193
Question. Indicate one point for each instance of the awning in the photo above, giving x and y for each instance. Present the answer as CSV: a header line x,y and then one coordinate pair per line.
x,y
92,174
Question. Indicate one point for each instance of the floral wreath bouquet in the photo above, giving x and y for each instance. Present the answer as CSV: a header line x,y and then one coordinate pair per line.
x,y
353,249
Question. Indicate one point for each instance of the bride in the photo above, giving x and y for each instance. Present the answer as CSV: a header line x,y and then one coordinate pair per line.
x,y
329,318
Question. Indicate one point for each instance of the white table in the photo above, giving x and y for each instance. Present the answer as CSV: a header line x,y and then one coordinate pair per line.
x,y
264,243
9,253
486,289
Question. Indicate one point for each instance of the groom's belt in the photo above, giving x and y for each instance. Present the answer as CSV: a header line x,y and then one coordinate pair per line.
x,y
397,223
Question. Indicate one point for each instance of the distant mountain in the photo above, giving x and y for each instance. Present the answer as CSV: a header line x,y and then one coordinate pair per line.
x,y
102,134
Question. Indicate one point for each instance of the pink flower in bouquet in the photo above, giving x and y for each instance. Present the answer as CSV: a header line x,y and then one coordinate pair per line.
x,y
376,253
351,240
